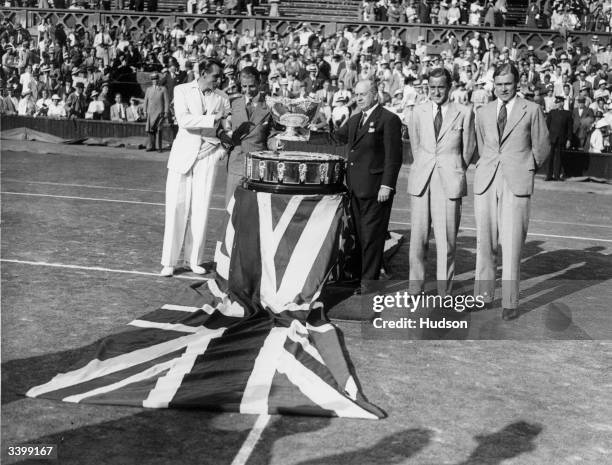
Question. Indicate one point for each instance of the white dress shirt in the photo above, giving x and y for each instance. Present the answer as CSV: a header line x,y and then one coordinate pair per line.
x,y
509,106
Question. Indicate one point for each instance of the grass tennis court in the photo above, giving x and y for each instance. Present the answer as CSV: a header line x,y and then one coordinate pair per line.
x,y
81,242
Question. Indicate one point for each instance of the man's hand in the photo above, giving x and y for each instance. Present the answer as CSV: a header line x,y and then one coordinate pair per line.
x,y
384,193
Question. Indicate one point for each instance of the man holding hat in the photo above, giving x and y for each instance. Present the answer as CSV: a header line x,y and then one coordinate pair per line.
x,y
156,108
201,111
559,127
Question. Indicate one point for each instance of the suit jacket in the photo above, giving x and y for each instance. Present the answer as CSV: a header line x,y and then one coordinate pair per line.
x,y
523,147
374,152
194,122
250,132
134,114
115,112
450,153
156,106
581,124
559,126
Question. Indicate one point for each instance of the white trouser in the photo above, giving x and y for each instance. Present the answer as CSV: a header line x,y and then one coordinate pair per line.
x,y
187,202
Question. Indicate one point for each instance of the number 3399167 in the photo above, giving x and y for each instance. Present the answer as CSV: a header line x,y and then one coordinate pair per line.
x,y
39,450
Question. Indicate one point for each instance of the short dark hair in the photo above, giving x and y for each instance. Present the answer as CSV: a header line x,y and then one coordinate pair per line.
x,y
442,72
507,68
250,71
205,66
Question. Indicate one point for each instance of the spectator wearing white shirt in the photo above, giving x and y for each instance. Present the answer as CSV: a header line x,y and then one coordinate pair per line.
x,y
118,110
27,106
43,103
95,108
56,108
341,93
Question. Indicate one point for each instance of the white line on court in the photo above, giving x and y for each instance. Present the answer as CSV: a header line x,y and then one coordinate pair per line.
x,y
579,238
251,441
96,268
90,186
95,199
531,220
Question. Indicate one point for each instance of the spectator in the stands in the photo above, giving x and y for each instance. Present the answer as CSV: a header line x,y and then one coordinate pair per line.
x,y
117,110
76,103
134,112
583,119
27,104
10,101
43,103
56,108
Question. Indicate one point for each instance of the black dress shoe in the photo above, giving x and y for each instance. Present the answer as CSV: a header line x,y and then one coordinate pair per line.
x,y
510,314
549,178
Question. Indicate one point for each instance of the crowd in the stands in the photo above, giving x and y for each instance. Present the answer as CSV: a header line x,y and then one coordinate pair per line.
x,y
55,72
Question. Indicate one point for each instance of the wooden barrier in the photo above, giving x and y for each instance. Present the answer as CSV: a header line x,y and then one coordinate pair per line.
x,y
79,128
598,165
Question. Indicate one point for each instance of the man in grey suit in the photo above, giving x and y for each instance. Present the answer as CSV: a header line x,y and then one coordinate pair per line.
x,y
251,127
156,108
442,139
513,143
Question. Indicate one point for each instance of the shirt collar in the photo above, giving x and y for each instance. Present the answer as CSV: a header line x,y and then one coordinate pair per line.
x,y
509,104
368,113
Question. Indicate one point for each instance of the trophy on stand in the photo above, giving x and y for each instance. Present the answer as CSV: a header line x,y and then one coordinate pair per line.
x,y
295,114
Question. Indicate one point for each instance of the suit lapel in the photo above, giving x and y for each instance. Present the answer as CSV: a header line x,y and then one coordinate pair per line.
x,y
198,98
515,116
448,120
490,120
240,110
361,131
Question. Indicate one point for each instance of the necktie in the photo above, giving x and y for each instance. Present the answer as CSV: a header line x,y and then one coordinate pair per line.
x,y
249,109
362,120
438,121
501,119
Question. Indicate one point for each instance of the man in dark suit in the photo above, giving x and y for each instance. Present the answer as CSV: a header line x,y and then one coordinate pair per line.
x,y
559,127
251,127
583,118
374,147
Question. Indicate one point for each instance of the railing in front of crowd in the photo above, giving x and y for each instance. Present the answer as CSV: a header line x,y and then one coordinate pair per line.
x,y
598,165
434,35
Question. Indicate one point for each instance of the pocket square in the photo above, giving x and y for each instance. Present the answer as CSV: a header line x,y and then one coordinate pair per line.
x,y
371,130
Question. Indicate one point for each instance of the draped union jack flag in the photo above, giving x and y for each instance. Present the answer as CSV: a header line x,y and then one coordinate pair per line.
x,y
253,341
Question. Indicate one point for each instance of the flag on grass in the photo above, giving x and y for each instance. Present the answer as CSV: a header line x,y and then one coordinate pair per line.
x,y
254,341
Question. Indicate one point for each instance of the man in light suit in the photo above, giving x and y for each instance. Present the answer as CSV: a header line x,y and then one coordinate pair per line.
x,y
251,127
117,111
201,111
443,140
513,143
374,138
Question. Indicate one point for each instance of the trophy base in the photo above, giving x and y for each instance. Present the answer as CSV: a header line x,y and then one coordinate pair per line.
x,y
295,189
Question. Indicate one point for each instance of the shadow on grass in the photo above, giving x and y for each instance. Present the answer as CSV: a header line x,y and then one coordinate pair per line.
x,y
22,374
390,450
515,439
